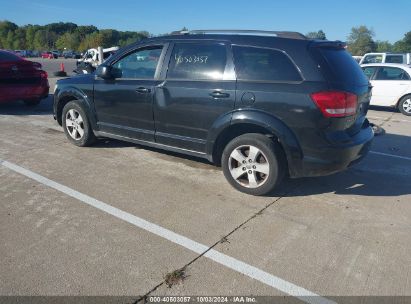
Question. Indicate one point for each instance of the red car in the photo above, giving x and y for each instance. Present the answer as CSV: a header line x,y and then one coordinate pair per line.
x,y
21,79
49,55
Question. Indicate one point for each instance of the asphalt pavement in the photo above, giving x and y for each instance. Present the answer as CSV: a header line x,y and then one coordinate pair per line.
x,y
120,219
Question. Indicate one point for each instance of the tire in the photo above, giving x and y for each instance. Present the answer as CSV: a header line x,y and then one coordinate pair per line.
x,y
76,125
258,177
32,102
404,106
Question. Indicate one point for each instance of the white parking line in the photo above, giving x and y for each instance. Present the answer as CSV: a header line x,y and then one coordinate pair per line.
x,y
230,262
391,155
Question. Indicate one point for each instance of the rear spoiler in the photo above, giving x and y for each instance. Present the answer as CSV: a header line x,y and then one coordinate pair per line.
x,y
328,44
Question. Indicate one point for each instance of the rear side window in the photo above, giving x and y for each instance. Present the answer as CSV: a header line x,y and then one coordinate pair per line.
x,y
388,73
394,59
6,56
259,64
197,61
343,67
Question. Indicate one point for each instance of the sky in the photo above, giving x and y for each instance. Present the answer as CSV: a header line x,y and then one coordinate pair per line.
x,y
390,20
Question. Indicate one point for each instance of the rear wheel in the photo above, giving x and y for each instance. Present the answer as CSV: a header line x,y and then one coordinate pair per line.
x,y
76,125
405,105
32,102
253,163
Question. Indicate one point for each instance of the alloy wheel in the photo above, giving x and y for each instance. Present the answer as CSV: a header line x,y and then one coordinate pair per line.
x,y
249,166
75,124
406,105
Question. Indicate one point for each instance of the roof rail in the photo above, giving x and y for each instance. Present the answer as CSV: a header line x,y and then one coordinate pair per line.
x,y
281,34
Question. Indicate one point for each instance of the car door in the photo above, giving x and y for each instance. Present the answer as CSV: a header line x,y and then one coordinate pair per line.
x,y
124,104
389,84
199,89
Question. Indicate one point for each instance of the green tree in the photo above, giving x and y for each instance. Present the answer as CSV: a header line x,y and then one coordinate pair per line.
x,y
404,45
383,46
69,41
63,35
317,35
7,29
360,41
40,40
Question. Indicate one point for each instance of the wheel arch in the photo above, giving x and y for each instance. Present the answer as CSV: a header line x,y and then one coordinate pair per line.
x,y
252,121
70,94
399,99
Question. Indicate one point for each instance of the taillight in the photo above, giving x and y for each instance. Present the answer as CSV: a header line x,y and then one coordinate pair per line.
x,y
335,103
43,74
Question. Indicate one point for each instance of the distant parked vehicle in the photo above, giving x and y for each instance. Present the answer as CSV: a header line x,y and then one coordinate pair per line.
x,y
391,85
90,60
49,55
71,54
21,79
22,53
386,58
57,53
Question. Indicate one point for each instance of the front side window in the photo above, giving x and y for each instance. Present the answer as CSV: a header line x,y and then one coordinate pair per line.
x,y
369,71
197,61
260,64
140,64
389,73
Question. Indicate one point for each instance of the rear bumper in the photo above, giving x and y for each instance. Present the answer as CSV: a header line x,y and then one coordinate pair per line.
x,y
24,91
335,158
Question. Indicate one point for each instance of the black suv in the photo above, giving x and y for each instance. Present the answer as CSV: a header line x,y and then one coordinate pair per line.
x,y
261,104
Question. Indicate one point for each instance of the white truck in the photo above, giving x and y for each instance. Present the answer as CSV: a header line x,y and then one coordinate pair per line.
x,y
386,58
91,59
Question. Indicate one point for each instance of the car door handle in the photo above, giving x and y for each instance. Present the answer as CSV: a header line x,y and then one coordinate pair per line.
x,y
218,94
143,90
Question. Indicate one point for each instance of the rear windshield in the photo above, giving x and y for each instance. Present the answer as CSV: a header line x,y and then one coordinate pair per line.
x,y
343,66
7,56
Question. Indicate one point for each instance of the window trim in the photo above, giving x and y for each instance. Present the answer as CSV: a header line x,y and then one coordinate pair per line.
x,y
160,63
228,74
269,81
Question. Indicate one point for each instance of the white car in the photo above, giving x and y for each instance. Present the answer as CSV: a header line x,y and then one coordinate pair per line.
x,y
391,85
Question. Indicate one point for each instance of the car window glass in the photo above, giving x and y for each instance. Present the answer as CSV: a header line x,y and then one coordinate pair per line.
x,y
372,59
197,61
255,64
369,71
390,73
141,64
394,59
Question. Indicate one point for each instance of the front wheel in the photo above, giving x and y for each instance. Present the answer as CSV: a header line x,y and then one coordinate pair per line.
x,y
253,163
405,105
76,125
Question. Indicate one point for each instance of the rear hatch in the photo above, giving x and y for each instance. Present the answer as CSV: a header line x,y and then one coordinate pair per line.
x,y
15,70
344,75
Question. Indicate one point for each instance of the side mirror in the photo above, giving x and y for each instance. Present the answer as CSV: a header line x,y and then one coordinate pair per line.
x,y
104,72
